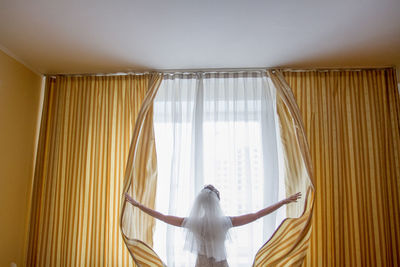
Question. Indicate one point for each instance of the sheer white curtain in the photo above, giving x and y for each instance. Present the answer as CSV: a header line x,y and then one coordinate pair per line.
x,y
220,129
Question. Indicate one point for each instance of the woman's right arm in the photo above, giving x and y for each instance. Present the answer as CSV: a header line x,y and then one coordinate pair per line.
x,y
173,220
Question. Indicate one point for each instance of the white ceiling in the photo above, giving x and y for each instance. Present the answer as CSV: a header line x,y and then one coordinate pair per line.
x,y
92,36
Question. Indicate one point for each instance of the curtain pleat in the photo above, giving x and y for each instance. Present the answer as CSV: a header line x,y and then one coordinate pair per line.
x,y
87,125
352,123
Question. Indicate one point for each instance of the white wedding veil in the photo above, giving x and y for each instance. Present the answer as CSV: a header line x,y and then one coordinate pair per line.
x,y
207,227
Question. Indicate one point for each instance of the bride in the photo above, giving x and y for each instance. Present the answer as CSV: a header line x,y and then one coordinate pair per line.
x,y
207,227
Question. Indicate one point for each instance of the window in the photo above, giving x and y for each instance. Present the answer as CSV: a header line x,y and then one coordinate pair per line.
x,y
217,129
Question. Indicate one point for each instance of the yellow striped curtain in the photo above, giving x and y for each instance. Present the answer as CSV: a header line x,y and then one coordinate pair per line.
x,y
86,131
352,123
289,244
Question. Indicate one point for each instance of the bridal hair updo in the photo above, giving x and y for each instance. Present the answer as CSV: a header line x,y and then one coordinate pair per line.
x,y
212,188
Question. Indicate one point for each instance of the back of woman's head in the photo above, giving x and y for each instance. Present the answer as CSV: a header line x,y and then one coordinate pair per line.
x,y
212,189
207,203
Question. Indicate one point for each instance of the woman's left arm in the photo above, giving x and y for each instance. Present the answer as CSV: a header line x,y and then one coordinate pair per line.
x,y
251,217
173,220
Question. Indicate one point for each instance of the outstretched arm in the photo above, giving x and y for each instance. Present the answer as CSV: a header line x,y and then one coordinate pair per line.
x,y
173,220
251,217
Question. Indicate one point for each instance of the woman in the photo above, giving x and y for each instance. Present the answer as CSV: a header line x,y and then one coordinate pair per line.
x,y
207,226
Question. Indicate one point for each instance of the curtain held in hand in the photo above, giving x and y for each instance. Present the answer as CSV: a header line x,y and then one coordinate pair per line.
x,y
288,245
140,182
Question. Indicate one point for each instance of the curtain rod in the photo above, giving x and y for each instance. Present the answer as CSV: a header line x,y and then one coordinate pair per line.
x,y
211,70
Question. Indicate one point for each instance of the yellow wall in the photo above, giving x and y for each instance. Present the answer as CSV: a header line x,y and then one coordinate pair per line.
x,y
20,93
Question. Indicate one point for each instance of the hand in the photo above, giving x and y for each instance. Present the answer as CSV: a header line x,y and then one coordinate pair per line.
x,y
293,198
131,200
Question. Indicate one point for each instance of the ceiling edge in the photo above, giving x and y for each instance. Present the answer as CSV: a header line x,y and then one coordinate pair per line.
x,y
19,60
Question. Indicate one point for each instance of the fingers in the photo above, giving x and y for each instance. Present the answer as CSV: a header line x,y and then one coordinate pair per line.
x,y
295,197
129,198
